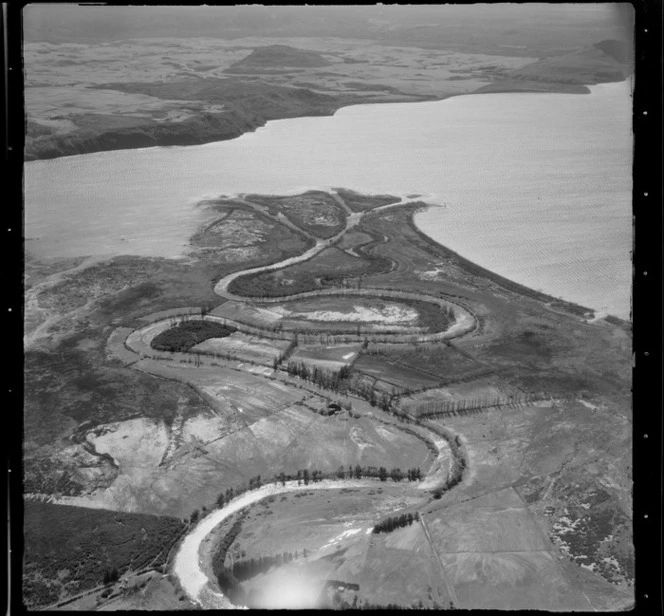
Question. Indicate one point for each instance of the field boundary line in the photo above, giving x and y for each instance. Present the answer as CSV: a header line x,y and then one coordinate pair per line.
x,y
448,585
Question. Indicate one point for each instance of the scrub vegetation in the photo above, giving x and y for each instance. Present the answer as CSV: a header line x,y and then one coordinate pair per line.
x,y
72,549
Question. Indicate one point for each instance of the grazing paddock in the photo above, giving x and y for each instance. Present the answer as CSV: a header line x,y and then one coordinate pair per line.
x,y
244,347
329,357
248,313
401,377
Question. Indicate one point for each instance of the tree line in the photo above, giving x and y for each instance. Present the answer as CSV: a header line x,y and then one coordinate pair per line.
x,y
305,476
326,379
442,407
392,523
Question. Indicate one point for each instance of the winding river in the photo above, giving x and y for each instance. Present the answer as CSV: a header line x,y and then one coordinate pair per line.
x,y
187,566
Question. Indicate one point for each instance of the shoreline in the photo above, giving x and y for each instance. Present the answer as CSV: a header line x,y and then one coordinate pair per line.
x,y
511,285
172,135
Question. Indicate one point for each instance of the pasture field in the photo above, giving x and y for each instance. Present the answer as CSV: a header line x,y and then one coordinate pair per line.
x,y
568,469
330,533
244,347
72,549
243,312
400,377
497,554
329,357
259,428
329,267
441,361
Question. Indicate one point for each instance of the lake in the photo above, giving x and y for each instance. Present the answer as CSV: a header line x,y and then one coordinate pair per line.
x,y
536,187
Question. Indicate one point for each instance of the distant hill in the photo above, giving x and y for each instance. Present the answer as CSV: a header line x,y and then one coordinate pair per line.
x,y
603,62
279,56
618,50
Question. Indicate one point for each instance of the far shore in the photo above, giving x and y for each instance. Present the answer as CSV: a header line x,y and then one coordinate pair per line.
x,y
173,135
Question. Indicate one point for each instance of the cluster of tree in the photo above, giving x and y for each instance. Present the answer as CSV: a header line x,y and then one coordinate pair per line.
x,y
219,557
245,569
206,308
396,474
389,524
326,379
304,476
187,334
382,400
287,352
458,466
111,575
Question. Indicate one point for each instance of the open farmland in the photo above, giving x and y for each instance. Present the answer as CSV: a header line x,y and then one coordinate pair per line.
x,y
246,434
331,534
327,357
325,268
244,347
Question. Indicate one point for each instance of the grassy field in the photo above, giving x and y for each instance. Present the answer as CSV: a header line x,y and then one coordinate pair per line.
x,y
71,549
331,534
440,361
544,455
329,357
401,377
244,347
329,267
256,427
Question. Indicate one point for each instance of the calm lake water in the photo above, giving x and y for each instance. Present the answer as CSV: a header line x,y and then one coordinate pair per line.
x,y
536,187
